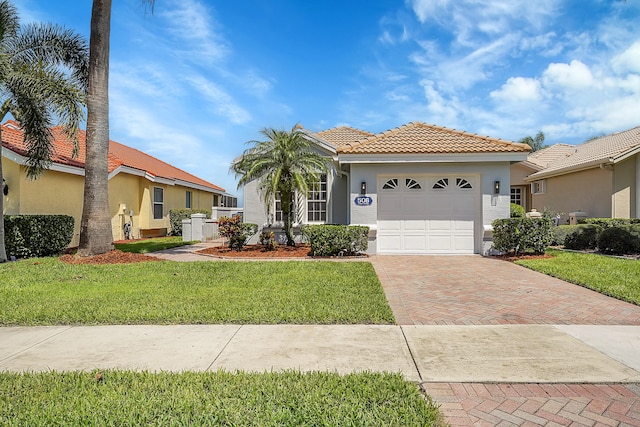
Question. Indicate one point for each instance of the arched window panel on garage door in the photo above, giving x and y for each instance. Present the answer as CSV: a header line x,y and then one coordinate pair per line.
x,y
391,184
441,184
412,184
463,183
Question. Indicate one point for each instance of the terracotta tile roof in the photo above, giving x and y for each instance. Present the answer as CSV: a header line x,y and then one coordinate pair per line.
x,y
546,156
416,137
119,155
606,149
343,135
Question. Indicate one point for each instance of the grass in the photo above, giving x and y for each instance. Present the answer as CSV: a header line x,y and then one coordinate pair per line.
x,y
212,399
152,245
618,278
46,291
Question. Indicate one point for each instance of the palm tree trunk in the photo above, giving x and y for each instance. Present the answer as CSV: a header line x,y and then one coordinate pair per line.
x,y
95,227
287,203
3,249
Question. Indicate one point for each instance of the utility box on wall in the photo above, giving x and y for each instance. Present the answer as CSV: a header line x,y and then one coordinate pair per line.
x,y
574,217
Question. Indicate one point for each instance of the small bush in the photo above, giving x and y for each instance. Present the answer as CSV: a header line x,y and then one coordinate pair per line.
x,y
560,233
584,236
517,211
519,235
236,231
620,240
37,235
268,240
336,240
610,222
177,215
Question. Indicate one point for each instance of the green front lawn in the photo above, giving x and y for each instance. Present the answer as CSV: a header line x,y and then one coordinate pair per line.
x,y
46,291
212,399
152,245
619,278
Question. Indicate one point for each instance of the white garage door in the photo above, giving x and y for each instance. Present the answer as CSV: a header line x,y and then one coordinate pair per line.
x,y
427,214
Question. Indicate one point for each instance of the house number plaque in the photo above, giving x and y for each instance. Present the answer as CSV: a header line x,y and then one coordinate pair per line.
x,y
363,201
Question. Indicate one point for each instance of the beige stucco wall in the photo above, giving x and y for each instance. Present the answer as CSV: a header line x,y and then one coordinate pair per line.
x,y
587,191
518,173
625,181
60,193
53,193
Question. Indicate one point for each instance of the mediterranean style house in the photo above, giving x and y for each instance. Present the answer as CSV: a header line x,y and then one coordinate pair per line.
x,y
599,178
422,189
142,188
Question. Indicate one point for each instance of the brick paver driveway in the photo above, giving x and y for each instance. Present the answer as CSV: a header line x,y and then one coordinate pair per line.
x,y
472,290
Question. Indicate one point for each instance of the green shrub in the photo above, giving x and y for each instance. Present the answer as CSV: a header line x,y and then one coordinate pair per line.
x,y
236,231
619,240
584,236
336,240
560,233
268,240
517,211
37,235
609,222
519,235
177,215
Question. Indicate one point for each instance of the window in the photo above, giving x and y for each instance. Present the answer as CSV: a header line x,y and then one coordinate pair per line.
x,y
538,187
463,183
158,202
516,195
317,201
441,184
229,202
187,202
278,210
390,184
412,184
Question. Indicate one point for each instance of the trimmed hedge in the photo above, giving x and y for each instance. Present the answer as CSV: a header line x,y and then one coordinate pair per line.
x,y
177,215
609,222
520,235
584,236
29,236
516,211
619,240
560,233
336,240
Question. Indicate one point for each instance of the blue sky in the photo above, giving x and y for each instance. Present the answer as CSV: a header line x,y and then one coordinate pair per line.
x,y
195,80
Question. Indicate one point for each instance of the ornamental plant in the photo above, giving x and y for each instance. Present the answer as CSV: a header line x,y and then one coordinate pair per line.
x,y
236,231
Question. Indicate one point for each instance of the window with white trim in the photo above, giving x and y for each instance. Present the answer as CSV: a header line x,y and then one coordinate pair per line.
x,y
391,184
317,200
158,203
187,202
538,187
516,195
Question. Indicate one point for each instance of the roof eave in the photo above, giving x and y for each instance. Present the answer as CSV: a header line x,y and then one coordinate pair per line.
x,y
568,169
432,158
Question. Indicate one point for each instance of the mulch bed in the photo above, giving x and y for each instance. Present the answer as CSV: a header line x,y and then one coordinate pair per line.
x,y
112,257
512,258
257,251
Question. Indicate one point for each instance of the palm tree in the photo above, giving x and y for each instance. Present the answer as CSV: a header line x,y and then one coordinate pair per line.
x,y
95,226
43,76
284,164
536,143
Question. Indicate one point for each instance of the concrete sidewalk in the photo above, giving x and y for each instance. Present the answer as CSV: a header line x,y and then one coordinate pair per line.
x,y
513,353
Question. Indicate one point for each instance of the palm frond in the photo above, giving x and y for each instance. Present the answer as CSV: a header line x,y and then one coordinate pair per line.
x,y
9,21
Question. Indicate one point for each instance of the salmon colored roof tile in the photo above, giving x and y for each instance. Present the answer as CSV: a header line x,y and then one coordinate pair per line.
x,y
421,138
119,155
343,135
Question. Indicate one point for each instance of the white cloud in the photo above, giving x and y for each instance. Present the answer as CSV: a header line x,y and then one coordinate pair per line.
x,y
629,60
518,89
221,103
575,75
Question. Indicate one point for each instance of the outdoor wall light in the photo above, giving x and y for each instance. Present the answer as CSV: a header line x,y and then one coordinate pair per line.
x,y
5,187
363,188
496,187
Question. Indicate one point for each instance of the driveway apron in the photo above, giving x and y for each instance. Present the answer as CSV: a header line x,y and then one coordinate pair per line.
x,y
501,345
